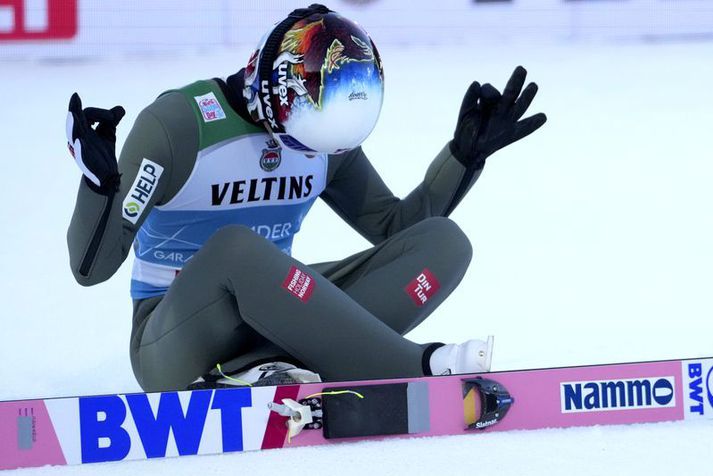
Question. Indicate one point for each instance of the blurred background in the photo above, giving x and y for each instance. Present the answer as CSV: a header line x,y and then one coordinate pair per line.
x,y
592,237
82,29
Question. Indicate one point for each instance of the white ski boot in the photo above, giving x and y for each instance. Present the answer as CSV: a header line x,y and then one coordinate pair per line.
x,y
273,373
473,356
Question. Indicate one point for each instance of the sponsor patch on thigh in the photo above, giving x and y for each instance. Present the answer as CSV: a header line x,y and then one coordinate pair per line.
x,y
299,284
423,287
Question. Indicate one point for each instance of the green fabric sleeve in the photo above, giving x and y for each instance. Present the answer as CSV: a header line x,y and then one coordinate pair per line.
x,y
357,194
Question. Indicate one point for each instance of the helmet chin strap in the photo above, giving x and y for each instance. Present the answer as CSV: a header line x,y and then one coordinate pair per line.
x,y
269,130
234,94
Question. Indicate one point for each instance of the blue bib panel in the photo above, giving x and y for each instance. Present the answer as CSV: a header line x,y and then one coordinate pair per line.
x,y
244,180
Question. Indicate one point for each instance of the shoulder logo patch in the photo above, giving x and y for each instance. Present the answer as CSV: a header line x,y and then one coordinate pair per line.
x,y
141,190
211,110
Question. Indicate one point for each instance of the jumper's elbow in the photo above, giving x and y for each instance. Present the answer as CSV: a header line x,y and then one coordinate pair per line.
x,y
87,278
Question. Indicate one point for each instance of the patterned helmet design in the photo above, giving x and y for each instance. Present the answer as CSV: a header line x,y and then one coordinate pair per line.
x,y
320,87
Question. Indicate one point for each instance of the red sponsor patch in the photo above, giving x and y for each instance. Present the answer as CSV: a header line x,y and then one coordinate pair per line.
x,y
46,20
299,284
423,287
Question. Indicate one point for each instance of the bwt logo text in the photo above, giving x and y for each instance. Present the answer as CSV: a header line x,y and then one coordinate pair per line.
x,y
22,20
110,426
696,383
605,395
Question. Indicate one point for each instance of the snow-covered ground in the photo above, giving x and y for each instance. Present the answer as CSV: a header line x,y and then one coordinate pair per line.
x,y
592,242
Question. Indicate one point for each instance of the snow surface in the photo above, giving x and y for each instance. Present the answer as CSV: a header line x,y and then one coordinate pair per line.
x,y
592,243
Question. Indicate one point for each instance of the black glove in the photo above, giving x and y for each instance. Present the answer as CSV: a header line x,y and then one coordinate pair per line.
x,y
489,121
94,148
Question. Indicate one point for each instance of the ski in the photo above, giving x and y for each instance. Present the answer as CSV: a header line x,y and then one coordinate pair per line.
x,y
101,428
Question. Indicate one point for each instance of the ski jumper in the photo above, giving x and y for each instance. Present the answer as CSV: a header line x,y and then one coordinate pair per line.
x,y
211,205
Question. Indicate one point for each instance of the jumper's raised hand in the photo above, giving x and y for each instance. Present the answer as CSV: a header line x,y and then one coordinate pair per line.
x,y
94,148
489,121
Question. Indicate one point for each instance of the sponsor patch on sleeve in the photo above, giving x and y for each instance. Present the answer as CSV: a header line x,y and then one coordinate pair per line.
x,y
211,110
422,287
299,284
141,190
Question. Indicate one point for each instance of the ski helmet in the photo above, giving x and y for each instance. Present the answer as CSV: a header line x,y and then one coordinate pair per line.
x,y
315,82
